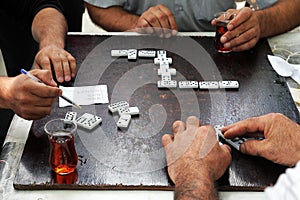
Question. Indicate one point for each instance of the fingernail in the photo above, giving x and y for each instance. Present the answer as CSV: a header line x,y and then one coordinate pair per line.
x,y
174,32
67,78
227,45
229,27
73,75
223,39
168,35
60,79
53,82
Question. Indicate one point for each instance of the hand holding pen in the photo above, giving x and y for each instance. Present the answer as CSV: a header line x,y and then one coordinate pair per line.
x,y
51,83
27,98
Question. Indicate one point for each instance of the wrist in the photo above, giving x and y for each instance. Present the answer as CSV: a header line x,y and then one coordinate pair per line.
x,y
201,187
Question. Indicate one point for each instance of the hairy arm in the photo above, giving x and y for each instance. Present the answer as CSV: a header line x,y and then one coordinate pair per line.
x,y
202,188
49,27
113,18
279,18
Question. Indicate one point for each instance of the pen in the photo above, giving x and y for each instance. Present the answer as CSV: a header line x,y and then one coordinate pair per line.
x,y
23,71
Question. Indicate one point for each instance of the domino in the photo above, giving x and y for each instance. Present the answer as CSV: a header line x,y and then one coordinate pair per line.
x,y
70,117
229,84
146,53
172,71
207,85
88,121
119,53
166,77
157,61
161,54
167,84
132,54
116,106
129,111
188,84
124,121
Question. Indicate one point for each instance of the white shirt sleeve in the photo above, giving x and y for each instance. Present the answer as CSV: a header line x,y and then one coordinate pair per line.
x,y
287,186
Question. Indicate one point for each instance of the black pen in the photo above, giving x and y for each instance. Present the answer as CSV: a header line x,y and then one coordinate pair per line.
x,y
23,71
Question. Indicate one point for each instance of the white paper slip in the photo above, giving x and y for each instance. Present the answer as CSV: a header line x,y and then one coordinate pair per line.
x,y
85,95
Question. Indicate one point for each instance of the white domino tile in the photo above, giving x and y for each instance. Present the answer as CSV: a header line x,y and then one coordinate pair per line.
x,y
188,84
146,53
229,84
124,121
88,121
167,84
208,85
119,53
172,71
70,117
116,106
132,54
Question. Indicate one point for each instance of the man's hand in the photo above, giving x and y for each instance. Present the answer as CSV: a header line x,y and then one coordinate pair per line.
x,y
282,138
195,159
63,62
28,98
157,20
244,30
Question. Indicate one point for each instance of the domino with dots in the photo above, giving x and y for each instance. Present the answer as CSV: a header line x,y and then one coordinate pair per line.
x,y
88,121
208,85
70,117
188,84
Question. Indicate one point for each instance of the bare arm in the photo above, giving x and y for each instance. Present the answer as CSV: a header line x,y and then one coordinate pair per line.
x,y
249,26
49,28
281,17
195,160
113,18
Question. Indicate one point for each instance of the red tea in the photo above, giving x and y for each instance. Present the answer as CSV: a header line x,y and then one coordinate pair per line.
x,y
63,157
221,29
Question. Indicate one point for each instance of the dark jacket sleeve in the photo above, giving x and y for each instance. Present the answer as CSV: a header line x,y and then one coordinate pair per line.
x,y
24,11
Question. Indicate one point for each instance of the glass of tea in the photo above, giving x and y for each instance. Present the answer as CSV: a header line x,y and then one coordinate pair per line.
x,y
222,19
63,157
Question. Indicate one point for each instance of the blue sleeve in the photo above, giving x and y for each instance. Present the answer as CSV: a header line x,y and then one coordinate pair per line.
x,y
106,3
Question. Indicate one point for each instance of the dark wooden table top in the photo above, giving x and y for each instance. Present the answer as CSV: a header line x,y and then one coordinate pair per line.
x,y
110,158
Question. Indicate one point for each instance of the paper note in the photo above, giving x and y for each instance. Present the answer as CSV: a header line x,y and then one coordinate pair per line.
x,y
85,95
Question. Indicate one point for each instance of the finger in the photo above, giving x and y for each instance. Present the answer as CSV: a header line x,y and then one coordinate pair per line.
x,y
192,122
65,67
45,76
72,64
144,26
166,139
253,147
169,22
250,125
58,68
248,45
178,127
226,148
153,22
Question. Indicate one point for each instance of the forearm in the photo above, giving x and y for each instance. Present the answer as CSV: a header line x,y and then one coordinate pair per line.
x,y
281,17
4,82
49,27
112,18
202,188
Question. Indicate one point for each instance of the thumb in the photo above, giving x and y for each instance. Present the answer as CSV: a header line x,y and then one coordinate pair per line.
x,y
252,147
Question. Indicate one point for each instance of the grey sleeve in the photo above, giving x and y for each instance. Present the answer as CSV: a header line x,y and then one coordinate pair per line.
x,y
106,3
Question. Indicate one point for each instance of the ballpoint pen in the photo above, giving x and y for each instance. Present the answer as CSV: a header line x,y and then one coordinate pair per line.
x,y
23,71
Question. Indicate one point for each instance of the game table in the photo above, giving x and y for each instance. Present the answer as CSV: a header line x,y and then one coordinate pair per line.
x,y
133,159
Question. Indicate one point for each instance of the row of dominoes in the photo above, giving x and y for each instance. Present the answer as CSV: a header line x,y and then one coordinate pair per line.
x,y
164,70
125,112
208,85
87,120
132,54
